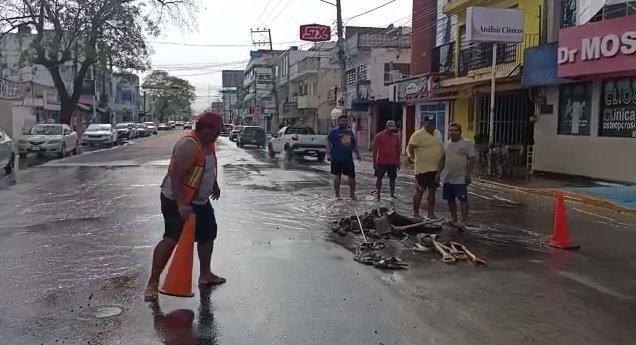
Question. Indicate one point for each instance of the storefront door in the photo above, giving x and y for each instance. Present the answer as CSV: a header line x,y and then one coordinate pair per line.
x,y
436,110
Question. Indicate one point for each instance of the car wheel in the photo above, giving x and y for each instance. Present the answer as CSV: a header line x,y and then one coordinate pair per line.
x,y
321,157
270,151
62,153
74,151
9,167
22,155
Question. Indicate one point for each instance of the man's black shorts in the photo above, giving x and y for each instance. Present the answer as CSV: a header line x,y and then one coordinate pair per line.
x,y
206,221
451,192
346,168
388,169
427,180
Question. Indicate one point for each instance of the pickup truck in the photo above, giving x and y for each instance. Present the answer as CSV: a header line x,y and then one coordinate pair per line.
x,y
298,141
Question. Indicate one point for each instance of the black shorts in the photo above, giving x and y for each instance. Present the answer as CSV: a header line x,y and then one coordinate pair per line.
x,y
389,169
346,168
451,192
205,230
427,180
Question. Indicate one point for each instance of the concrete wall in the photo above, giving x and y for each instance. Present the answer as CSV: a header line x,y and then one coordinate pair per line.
x,y
592,156
460,114
328,78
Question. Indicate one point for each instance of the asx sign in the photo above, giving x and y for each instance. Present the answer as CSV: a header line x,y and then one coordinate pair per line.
x,y
315,33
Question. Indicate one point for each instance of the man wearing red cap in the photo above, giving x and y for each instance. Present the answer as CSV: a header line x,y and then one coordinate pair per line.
x,y
186,190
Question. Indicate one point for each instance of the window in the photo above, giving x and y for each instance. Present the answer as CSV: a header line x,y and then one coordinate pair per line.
x,y
351,77
574,109
362,72
618,108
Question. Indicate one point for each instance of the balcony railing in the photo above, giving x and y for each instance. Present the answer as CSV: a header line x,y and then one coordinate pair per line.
x,y
479,55
444,58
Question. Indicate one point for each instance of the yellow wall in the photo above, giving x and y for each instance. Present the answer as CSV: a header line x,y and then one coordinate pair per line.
x,y
532,22
459,113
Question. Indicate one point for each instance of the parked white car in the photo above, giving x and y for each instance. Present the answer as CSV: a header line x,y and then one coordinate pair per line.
x,y
298,141
7,152
152,127
100,134
48,138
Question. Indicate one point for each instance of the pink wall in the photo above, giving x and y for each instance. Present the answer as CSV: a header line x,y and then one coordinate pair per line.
x,y
610,48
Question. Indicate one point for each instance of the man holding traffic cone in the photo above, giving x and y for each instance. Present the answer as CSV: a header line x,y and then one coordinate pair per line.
x,y
185,191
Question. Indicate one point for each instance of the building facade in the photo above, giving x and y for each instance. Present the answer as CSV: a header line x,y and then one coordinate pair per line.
x,y
375,57
586,115
257,103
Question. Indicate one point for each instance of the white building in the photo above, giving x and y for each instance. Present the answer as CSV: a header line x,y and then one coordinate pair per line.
x,y
258,104
375,58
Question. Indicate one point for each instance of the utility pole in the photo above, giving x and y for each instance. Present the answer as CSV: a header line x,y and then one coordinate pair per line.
x,y
269,42
341,57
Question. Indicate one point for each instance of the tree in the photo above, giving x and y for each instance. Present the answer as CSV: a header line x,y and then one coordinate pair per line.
x,y
70,36
169,95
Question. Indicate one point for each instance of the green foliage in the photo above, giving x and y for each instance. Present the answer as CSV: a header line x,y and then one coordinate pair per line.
x,y
170,96
73,35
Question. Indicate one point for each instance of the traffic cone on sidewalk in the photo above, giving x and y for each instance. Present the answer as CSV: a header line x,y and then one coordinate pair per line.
x,y
561,236
178,281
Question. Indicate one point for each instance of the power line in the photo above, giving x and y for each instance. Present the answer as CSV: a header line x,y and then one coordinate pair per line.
x,y
373,9
214,45
281,12
262,12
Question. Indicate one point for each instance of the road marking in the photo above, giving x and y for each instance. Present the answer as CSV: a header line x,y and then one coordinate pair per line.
x,y
480,196
504,199
592,284
612,220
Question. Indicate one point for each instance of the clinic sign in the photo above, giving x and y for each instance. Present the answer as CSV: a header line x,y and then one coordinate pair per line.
x,y
606,47
491,24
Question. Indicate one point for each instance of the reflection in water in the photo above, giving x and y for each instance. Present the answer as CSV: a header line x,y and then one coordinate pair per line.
x,y
177,327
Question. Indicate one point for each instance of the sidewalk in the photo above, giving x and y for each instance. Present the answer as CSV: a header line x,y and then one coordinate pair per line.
x,y
613,196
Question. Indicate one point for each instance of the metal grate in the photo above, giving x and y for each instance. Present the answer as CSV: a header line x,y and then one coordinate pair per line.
x,y
512,127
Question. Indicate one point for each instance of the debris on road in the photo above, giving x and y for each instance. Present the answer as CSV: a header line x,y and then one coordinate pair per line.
x,y
385,224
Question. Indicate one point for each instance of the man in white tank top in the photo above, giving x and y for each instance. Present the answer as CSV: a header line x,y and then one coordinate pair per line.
x,y
176,209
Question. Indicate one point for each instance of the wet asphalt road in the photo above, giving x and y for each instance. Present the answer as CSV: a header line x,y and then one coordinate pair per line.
x,y
76,236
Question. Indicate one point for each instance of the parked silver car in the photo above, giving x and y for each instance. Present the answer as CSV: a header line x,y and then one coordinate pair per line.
x,y
7,152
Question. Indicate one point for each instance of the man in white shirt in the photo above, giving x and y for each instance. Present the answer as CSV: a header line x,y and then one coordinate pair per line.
x,y
457,168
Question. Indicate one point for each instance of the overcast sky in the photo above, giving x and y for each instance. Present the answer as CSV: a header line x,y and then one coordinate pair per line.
x,y
229,22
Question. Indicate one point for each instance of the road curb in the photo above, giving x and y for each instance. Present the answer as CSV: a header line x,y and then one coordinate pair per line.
x,y
568,195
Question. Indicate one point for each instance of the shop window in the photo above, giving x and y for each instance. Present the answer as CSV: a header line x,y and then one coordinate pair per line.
x,y
436,110
618,108
575,109
351,77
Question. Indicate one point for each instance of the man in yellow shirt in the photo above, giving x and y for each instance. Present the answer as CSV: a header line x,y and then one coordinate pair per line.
x,y
427,150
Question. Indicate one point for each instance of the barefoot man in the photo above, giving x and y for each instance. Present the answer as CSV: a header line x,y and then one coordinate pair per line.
x,y
426,149
457,168
186,190
386,157
341,145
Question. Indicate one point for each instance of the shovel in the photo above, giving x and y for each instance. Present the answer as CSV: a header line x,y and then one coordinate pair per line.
x,y
476,260
447,258
382,224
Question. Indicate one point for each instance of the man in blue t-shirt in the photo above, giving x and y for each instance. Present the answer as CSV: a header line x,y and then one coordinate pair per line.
x,y
341,144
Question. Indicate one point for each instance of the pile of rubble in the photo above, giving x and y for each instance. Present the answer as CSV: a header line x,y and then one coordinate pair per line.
x,y
384,224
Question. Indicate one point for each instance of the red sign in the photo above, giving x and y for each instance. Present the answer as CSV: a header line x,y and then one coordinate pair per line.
x,y
315,33
606,47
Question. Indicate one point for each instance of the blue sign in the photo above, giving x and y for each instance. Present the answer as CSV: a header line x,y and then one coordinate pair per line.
x,y
256,54
540,66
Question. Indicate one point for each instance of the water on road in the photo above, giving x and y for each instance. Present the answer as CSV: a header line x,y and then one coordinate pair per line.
x,y
76,237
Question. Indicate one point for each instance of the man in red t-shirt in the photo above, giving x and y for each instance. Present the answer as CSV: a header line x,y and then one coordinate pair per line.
x,y
386,157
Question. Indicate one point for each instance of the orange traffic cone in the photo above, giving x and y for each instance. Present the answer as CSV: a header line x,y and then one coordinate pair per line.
x,y
178,281
561,236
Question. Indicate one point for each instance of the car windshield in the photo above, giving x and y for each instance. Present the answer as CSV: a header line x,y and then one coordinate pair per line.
x,y
238,128
140,125
46,130
149,123
96,128
300,130
122,126
253,130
